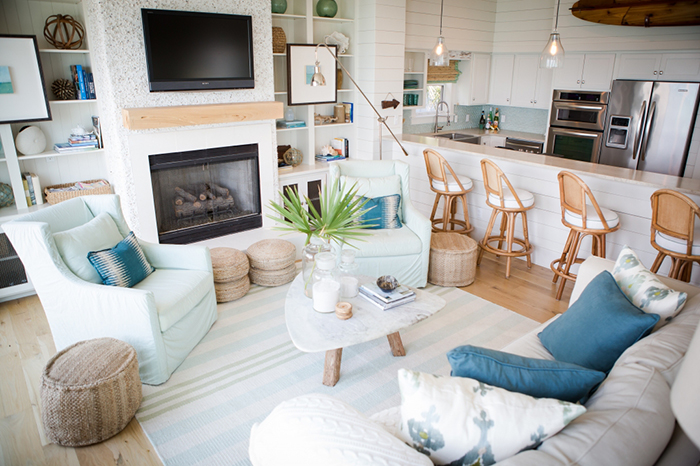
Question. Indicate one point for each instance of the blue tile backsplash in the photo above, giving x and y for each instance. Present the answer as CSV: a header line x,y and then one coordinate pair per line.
x,y
528,120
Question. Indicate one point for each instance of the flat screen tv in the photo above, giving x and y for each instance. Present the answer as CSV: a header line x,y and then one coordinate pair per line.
x,y
197,51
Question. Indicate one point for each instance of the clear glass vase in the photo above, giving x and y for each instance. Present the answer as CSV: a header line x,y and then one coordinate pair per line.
x,y
308,261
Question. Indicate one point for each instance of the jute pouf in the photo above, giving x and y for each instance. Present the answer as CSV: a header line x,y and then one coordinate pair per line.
x,y
271,254
228,264
90,391
232,290
452,259
273,277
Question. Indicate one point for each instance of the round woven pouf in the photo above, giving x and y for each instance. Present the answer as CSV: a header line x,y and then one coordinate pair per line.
x,y
90,391
233,290
273,277
271,254
452,259
229,264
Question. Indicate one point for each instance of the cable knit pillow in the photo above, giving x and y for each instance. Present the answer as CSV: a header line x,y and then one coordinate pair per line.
x,y
318,430
645,290
462,421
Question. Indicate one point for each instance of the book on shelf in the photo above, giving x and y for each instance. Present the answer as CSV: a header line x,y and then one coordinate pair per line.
x,y
97,131
338,144
27,196
284,124
37,188
90,86
329,158
32,188
86,143
63,147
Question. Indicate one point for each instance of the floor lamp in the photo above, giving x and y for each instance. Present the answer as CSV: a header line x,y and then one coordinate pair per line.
x,y
319,80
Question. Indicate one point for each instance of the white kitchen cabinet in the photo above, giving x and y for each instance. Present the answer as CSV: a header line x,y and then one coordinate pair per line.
x,y
502,79
532,86
585,71
660,66
308,183
543,90
480,67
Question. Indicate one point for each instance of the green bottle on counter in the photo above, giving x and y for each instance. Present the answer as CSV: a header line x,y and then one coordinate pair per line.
x,y
482,121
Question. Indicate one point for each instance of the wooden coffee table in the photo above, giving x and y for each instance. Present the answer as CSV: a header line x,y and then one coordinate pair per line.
x,y
313,331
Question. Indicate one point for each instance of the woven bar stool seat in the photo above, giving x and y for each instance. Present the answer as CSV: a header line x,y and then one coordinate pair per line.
x,y
272,262
90,391
452,259
446,185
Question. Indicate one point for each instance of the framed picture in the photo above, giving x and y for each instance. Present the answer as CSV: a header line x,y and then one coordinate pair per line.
x,y
300,68
22,92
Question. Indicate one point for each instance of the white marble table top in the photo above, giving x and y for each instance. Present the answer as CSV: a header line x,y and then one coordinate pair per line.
x,y
313,331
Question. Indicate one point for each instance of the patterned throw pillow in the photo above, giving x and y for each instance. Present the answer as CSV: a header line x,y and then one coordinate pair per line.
x,y
456,420
645,290
383,213
124,265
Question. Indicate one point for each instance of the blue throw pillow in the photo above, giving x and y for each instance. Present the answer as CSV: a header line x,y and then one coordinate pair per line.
x,y
384,213
540,378
124,265
598,327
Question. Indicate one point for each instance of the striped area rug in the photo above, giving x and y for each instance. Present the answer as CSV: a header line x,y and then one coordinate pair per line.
x,y
247,364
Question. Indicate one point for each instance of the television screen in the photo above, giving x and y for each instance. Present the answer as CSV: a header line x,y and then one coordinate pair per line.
x,y
195,51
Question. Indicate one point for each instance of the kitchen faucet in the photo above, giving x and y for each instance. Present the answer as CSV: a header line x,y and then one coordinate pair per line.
x,y
437,111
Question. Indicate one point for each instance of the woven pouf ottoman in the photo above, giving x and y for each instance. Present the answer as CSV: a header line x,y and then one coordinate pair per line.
x,y
231,268
272,262
90,391
452,259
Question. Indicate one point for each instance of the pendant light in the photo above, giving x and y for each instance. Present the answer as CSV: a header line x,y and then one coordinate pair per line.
x,y
439,55
553,54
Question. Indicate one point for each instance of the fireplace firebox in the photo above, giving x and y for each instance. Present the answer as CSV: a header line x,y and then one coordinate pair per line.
x,y
206,193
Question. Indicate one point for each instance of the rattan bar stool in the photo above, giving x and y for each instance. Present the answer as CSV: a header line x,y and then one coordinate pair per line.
x,y
674,233
450,187
509,203
583,216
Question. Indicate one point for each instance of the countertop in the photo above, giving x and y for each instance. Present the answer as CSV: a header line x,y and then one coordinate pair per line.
x,y
638,177
503,133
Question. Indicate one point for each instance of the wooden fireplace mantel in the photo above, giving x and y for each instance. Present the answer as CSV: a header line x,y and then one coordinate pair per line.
x,y
190,115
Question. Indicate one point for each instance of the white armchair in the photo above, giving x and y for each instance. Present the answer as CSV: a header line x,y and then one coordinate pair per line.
x,y
163,317
404,252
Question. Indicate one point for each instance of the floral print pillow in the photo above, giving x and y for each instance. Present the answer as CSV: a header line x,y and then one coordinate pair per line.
x,y
645,290
459,421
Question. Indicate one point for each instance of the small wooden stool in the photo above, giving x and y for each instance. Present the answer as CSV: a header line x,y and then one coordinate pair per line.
x,y
509,204
452,259
673,232
230,268
583,219
272,262
452,188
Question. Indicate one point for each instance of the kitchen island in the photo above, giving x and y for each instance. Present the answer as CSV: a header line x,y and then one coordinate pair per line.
x,y
625,191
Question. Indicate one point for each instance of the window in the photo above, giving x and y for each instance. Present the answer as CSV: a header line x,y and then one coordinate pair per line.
x,y
434,93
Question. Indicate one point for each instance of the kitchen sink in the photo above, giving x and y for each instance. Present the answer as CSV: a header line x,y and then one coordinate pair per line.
x,y
459,137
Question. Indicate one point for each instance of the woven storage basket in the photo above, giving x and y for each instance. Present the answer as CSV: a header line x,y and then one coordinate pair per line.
x,y
452,259
279,40
271,254
273,277
232,290
229,264
90,391
55,198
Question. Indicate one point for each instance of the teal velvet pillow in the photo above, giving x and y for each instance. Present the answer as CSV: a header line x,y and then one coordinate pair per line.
x,y
384,213
124,265
598,327
540,378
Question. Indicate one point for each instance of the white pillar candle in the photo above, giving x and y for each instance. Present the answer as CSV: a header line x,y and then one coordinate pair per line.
x,y
348,287
326,295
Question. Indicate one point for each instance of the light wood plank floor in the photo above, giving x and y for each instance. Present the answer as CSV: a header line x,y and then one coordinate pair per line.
x,y
26,345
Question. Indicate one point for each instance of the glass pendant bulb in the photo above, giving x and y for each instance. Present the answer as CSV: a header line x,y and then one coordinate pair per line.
x,y
553,54
439,55
318,79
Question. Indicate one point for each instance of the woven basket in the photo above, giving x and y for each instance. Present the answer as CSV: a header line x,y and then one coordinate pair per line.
x,y
90,391
233,290
229,264
55,198
273,277
279,40
271,254
452,259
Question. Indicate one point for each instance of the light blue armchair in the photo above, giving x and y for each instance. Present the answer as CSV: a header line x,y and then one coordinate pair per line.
x,y
403,252
163,317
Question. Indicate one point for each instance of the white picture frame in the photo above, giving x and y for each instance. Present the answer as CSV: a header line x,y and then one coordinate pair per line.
x,y
299,90
28,100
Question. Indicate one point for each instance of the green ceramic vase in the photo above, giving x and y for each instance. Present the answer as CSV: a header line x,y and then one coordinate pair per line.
x,y
279,6
326,8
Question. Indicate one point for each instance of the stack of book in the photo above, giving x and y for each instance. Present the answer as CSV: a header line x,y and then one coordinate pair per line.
x,y
78,143
284,124
329,158
32,189
83,82
384,300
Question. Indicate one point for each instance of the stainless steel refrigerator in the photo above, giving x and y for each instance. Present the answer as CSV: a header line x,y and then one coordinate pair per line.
x,y
649,125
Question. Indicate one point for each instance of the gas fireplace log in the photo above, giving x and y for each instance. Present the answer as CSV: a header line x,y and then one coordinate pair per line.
x,y
179,200
220,203
219,190
189,209
210,195
185,195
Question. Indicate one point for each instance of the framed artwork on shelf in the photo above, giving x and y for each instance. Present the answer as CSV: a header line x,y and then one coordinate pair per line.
x,y
22,91
301,59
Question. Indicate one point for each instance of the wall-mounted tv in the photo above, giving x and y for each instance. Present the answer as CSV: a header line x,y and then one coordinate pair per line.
x,y
197,51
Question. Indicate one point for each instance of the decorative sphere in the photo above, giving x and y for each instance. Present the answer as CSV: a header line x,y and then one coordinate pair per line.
x,y
30,140
7,198
387,283
326,8
279,6
293,157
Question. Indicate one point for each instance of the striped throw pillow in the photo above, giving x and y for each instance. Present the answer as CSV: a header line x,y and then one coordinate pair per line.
x,y
123,265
